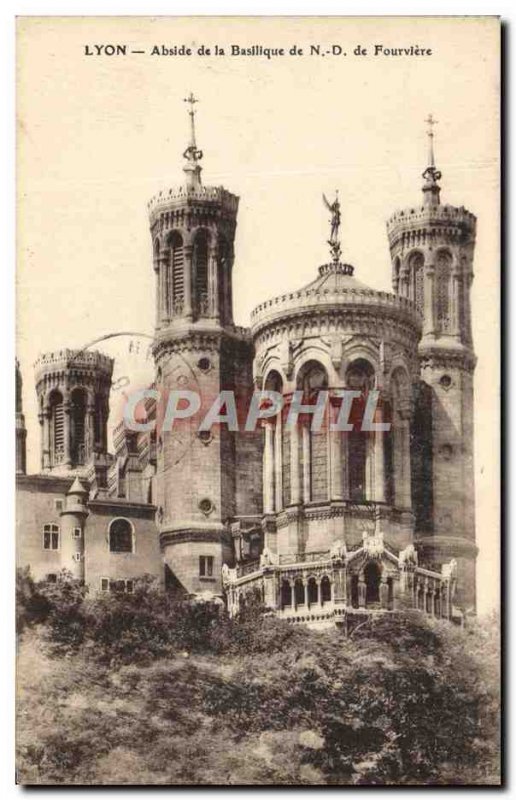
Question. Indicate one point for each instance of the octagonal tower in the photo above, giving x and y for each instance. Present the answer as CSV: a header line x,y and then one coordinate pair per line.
x,y
200,479
432,247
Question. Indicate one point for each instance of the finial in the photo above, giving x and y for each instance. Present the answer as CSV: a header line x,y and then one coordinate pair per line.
x,y
192,154
431,189
430,133
334,240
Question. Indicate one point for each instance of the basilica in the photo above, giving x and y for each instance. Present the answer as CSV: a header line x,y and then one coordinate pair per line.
x,y
319,523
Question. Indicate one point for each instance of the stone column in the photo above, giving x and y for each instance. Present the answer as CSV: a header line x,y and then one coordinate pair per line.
x,y
379,464
229,289
369,467
335,456
188,255
295,487
67,407
90,427
404,281
278,462
319,593
166,309
384,593
361,591
268,470
305,587
213,282
306,464
401,457
455,301
429,301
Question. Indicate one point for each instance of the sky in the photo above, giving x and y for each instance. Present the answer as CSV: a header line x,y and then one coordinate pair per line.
x,y
99,135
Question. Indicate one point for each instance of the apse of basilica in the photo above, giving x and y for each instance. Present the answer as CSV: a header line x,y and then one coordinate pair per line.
x,y
318,524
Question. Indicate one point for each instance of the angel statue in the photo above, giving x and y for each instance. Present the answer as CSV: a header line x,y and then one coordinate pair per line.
x,y
333,241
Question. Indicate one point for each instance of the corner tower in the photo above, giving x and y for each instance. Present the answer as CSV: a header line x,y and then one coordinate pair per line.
x,y
432,247
200,475
73,397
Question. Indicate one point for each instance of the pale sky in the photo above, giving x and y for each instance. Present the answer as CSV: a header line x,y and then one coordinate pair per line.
x,y
98,136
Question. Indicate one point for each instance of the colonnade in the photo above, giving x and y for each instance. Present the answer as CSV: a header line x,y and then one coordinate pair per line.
x,y
338,479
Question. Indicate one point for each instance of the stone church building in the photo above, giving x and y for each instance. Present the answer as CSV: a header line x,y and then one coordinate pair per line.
x,y
317,523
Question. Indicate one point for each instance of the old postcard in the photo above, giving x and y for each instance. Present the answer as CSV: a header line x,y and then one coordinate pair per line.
x,y
257,414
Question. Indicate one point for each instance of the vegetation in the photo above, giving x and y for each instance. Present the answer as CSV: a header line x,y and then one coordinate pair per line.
x,y
141,689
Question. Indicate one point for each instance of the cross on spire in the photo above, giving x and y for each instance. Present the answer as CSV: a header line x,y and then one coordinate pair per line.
x,y
430,121
431,174
192,154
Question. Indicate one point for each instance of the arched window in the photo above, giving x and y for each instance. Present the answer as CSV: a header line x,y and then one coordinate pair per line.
x,y
325,590
299,592
78,426
56,428
313,379
359,377
372,574
443,277
121,538
416,264
175,283
200,260
286,594
312,592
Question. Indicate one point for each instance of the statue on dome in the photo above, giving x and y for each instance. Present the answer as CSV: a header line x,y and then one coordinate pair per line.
x,y
334,241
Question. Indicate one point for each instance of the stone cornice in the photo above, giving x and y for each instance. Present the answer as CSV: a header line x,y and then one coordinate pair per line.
x,y
437,357
444,221
187,338
171,537
350,305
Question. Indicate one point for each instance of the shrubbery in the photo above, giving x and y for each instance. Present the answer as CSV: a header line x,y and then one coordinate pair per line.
x,y
179,693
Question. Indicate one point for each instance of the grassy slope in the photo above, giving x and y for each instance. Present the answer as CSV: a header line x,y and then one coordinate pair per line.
x,y
389,707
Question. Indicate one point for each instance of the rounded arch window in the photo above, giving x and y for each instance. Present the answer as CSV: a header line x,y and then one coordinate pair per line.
x,y
273,382
56,427
121,536
416,263
312,377
360,375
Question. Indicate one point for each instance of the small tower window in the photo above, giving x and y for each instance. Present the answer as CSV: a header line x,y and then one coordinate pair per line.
x,y
175,288
443,271
121,536
76,533
56,428
416,264
50,537
200,257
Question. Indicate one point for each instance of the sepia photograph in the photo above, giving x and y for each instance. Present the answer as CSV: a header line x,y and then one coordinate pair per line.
x,y
258,401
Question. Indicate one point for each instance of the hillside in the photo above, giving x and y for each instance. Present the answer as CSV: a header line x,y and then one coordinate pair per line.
x,y
137,689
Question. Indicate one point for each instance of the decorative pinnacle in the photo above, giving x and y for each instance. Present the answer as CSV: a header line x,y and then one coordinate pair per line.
x,y
334,240
192,154
431,189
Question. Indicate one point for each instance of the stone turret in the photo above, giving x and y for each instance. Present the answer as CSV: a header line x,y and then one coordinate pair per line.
x,y
197,347
73,397
432,247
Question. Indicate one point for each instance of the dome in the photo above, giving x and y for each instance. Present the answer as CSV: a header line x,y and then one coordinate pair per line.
x,y
335,290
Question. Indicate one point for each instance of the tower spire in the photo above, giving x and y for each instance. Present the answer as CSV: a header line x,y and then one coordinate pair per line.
x,y
192,154
431,175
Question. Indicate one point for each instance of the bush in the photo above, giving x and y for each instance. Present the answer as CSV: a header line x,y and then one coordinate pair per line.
x,y
191,696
